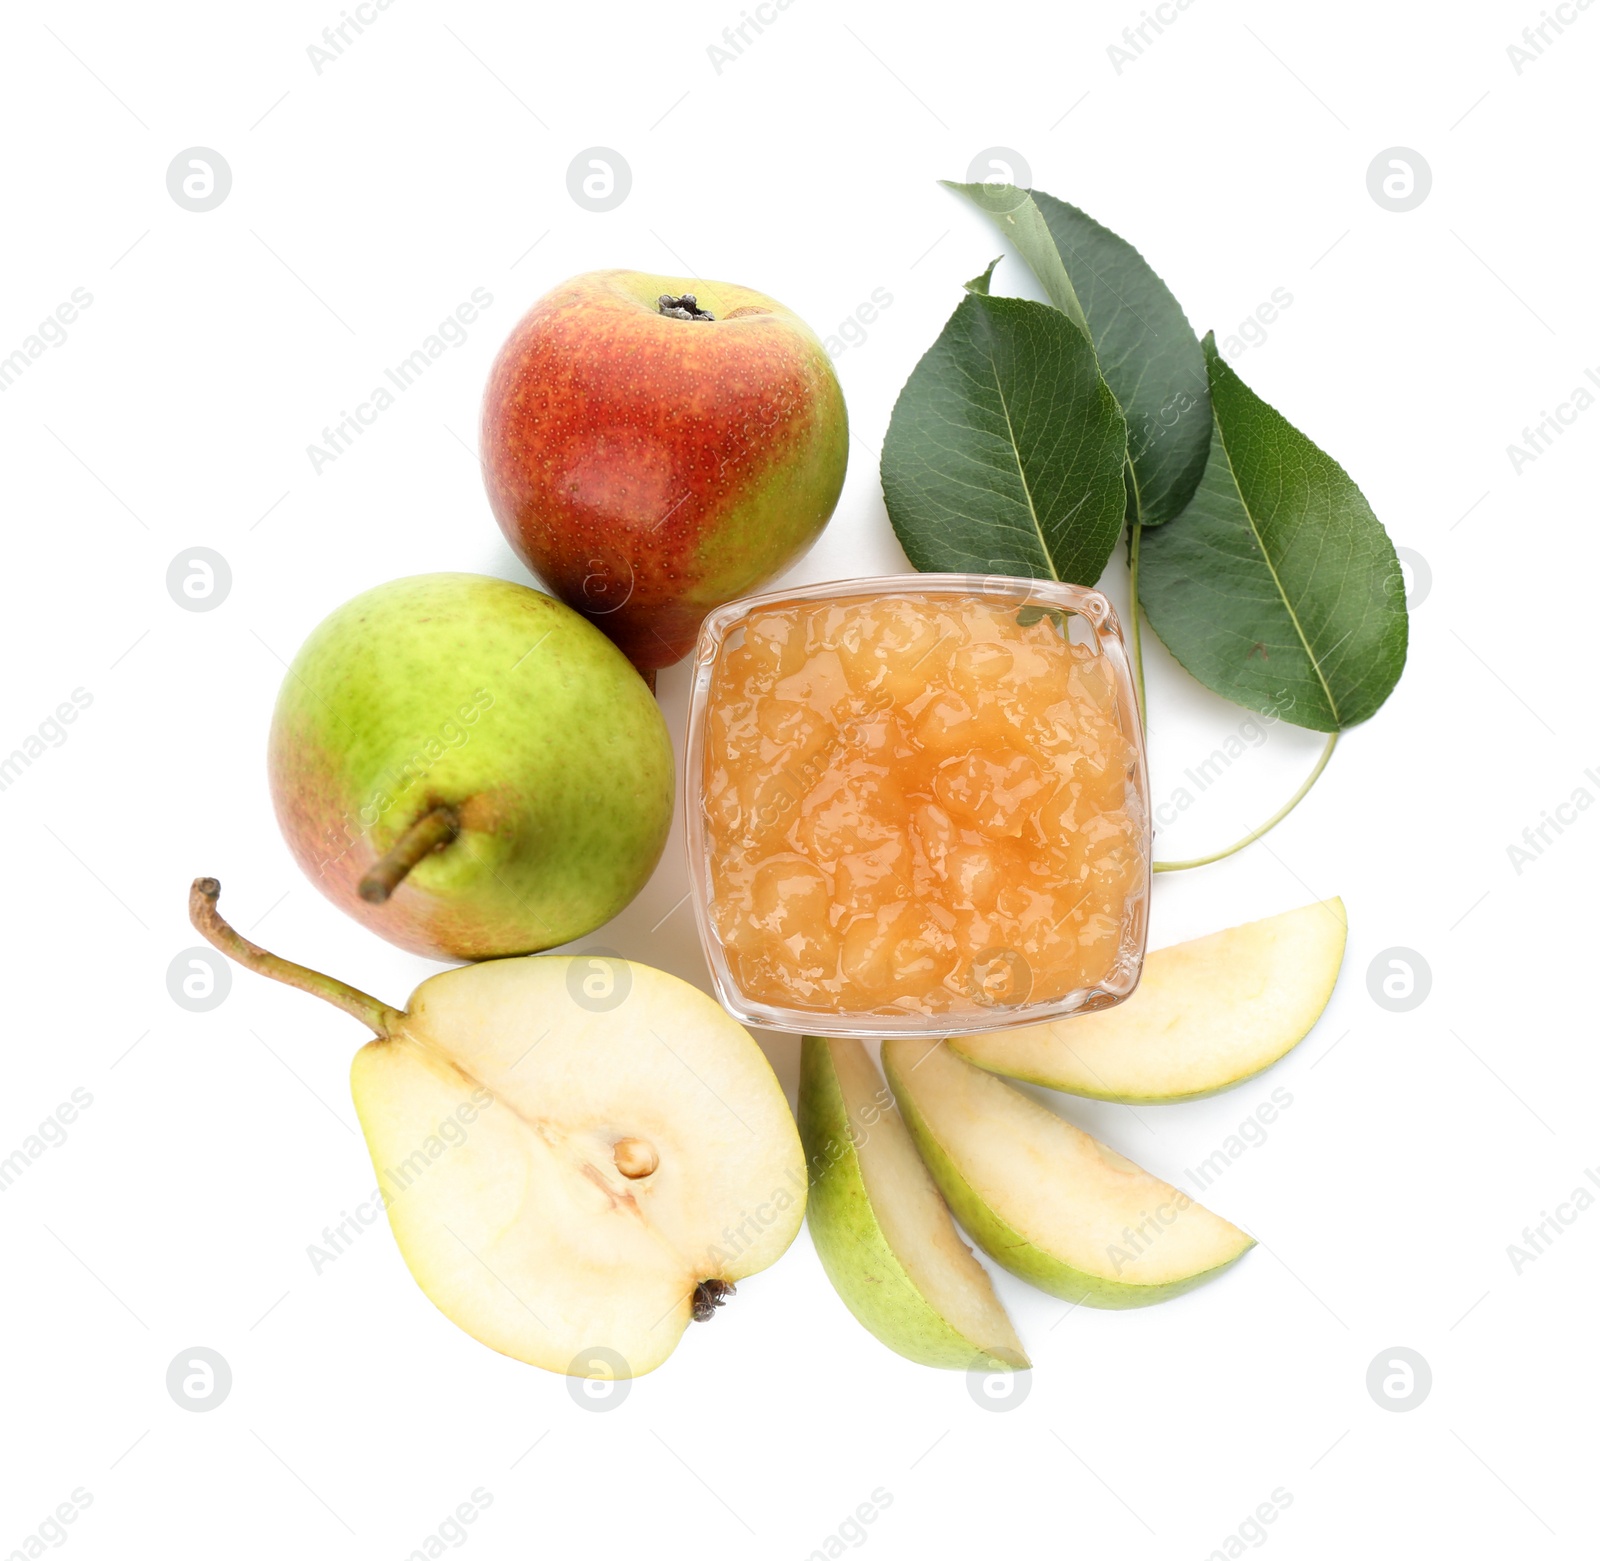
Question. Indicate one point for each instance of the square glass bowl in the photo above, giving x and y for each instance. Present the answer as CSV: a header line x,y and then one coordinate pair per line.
x,y
804,700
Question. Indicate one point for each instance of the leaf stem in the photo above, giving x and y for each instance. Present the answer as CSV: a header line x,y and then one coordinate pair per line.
x,y
1134,643
1255,834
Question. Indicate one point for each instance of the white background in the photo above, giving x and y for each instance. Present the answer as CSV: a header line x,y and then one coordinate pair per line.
x,y
367,202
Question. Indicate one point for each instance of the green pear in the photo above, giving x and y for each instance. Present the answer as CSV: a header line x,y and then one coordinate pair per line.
x,y
1207,1014
1046,1200
882,1231
578,1156
470,768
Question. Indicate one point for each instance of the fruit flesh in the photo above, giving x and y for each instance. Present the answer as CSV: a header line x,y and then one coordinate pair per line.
x,y
650,468
495,698
1207,1015
880,1228
1046,1200
494,1114
916,803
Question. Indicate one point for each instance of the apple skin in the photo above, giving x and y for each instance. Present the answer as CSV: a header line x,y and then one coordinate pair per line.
x,y
493,697
649,469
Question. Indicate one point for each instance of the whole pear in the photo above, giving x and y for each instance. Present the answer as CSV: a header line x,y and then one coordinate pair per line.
x,y
469,768
655,446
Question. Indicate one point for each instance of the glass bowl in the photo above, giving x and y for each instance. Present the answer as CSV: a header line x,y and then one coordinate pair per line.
x,y
996,986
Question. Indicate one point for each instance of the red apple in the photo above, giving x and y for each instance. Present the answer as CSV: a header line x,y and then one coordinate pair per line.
x,y
655,446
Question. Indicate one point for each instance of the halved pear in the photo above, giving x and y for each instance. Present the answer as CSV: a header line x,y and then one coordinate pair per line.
x,y
882,1231
1206,1015
577,1156
1046,1200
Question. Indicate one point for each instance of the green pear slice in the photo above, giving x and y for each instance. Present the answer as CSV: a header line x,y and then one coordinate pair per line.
x,y
1042,1197
577,1155
882,1231
1206,1015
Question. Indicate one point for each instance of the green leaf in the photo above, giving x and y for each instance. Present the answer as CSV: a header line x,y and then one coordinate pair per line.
x,y
980,283
1004,453
1028,616
1278,587
1147,348
1017,215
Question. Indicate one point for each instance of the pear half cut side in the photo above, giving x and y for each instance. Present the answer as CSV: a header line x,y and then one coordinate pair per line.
x,y
880,1228
610,1163
578,1155
1043,1198
1207,1014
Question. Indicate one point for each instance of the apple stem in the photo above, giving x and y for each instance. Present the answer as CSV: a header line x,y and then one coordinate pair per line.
x,y
378,1017
432,832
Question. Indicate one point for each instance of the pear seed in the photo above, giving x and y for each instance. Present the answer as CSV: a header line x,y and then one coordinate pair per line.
x,y
634,1158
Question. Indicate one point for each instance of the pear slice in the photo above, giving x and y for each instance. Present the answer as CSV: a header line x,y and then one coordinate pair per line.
x,y
1206,1015
577,1156
1046,1200
882,1231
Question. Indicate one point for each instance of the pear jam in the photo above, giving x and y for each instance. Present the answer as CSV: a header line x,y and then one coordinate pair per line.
x,y
918,803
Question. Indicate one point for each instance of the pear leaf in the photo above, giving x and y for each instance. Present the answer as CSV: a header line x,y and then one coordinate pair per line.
x,y
1146,346
1028,616
1005,450
1017,215
1277,588
980,283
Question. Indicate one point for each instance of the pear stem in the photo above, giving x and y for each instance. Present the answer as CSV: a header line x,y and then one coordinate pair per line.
x,y
378,1017
432,832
